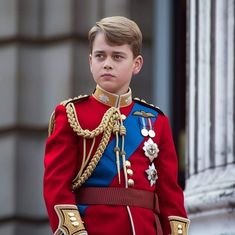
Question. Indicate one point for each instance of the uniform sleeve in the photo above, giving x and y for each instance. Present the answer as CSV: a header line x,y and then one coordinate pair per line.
x,y
61,164
171,199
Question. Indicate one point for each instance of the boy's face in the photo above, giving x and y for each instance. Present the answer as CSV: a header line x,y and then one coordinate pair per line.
x,y
112,66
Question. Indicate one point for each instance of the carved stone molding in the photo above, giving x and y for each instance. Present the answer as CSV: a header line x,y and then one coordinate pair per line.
x,y
211,190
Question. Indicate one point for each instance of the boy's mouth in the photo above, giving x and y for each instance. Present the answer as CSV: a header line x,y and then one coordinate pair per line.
x,y
107,75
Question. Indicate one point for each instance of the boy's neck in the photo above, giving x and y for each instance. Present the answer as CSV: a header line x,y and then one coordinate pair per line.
x,y
111,99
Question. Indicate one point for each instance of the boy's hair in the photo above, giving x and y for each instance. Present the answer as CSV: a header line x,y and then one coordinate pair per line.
x,y
118,30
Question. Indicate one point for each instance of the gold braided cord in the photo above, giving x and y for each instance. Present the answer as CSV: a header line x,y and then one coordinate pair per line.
x,y
84,158
74,123
110,118
116,129
95,159
51,123
91,149
97,156
123,153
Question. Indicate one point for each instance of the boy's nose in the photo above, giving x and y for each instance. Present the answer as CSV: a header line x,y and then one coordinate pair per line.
x,y
107,67
108,64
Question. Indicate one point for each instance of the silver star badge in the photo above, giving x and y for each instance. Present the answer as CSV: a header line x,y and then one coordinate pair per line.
x,y
152,174
150,149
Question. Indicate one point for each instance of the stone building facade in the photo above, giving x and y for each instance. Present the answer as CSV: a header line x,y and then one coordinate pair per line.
x,y
210,185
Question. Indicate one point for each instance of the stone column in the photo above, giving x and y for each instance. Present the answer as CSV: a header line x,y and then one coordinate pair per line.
x,y
210,186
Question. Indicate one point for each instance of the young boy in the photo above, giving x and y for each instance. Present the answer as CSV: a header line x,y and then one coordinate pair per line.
x,y
110,162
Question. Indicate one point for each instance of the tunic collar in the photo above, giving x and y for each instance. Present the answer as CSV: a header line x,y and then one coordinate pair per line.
x,y
112,99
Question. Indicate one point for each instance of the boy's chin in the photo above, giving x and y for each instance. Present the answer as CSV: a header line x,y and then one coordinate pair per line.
x,y
109,89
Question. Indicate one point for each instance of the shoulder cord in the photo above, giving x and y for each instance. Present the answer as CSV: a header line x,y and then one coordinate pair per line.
x,y
119,128
51,123
52,117
110,118
84,158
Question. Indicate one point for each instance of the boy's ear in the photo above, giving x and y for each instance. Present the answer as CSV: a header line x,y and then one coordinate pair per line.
x,y
138,63
90,62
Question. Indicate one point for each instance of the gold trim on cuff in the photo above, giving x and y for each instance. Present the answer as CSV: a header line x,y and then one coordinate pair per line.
x,y
70,222
179,225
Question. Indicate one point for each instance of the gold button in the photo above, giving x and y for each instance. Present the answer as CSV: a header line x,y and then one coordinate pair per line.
x,y
128,164
130,182
123,116
73,219
180,231
71,214
180,226
129,172
75,224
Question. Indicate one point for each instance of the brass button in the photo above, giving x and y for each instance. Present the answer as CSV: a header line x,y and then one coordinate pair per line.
x,y
128,163
130,182
180,231
75,224
73,219
71,214
123,116
129,172
180,226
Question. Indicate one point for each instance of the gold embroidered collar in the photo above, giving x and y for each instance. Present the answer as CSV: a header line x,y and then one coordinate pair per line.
x,y
111,99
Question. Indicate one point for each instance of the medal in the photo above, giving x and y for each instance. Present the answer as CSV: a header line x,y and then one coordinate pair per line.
x,y
146,123
151,133
144,132
152,174
150,149
147,132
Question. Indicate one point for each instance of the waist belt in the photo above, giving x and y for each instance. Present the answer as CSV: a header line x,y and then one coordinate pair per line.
x,y
120,197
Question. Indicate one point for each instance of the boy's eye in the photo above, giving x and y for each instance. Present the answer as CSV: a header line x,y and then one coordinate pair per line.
x,y
100,56
118,57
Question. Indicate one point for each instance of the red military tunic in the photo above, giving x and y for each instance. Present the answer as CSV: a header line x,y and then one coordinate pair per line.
x,y
63,158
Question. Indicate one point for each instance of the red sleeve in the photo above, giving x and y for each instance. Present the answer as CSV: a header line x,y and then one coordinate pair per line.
x,y
171,199
61,156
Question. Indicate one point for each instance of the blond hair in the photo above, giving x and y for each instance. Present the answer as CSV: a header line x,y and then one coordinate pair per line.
x,y
118,30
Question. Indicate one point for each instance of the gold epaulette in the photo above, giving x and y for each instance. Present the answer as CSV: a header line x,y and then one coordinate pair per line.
x,y
143,102
64,103
74,100
179,225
